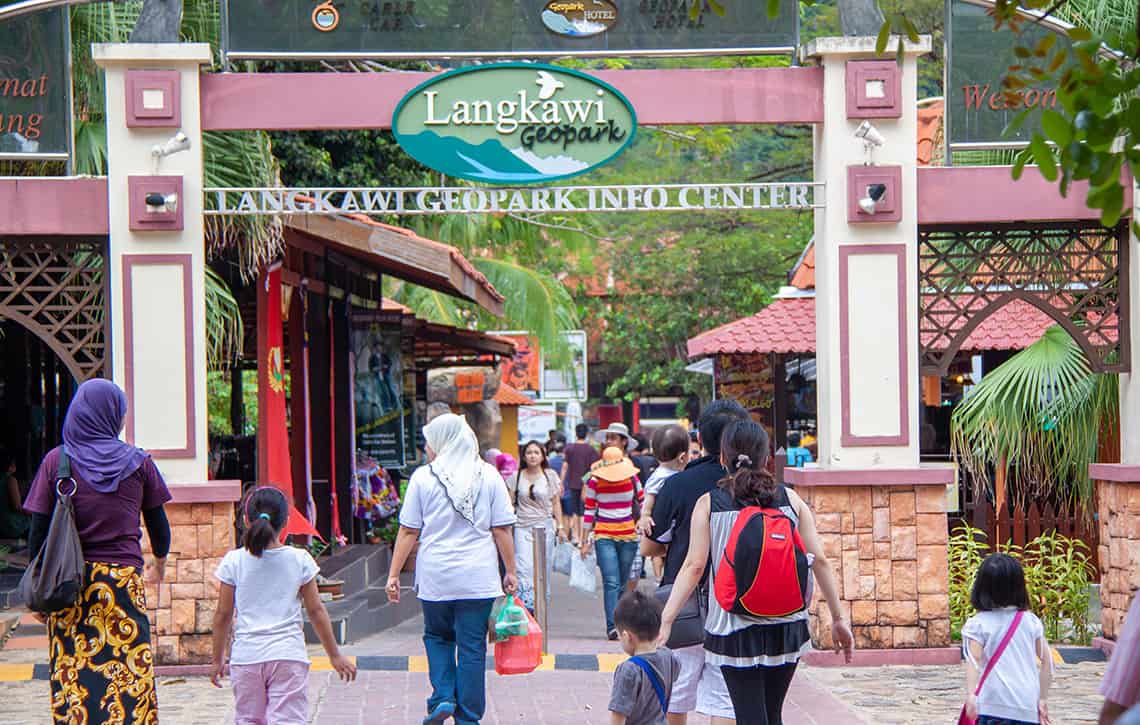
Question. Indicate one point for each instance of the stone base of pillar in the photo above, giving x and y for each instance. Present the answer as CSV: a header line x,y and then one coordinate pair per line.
x,y
182,608
1118,510
886,541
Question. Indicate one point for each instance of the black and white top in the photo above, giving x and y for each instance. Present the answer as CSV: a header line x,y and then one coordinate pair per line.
x,y
737,641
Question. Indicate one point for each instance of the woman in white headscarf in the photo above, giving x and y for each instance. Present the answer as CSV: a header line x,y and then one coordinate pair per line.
x,y
458,509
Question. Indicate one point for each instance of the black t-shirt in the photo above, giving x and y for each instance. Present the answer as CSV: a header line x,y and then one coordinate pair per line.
x,y
673,509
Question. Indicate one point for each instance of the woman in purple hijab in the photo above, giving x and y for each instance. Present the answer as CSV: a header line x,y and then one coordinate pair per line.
x,y
115,484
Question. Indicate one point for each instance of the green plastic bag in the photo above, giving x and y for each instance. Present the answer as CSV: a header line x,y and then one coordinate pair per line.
x,y
511,620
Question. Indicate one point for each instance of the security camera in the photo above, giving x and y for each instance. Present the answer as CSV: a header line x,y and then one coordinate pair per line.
x,y
875,193
157,203
869,135
177,142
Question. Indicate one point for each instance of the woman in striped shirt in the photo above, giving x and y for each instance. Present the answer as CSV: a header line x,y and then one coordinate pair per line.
x,y
610,524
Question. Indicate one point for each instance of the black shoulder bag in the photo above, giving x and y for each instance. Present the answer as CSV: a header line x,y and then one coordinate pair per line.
x,y
54,578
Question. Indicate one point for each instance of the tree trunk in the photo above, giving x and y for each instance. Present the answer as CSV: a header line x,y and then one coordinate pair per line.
x,y
159,22
860,17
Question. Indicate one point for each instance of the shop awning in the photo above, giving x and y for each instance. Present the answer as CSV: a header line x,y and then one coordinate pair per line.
x,y
788,326
436,343
785,326
398,252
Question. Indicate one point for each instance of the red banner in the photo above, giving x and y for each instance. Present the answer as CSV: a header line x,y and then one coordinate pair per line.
x,y
274,468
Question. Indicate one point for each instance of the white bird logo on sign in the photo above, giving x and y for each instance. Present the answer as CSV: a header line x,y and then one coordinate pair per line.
x,y
548,85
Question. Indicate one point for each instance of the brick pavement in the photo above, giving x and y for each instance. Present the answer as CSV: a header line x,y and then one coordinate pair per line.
x,y
838,696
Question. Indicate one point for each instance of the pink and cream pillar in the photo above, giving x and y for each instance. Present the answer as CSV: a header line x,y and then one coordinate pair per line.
x,y
881,514
1118,484
156,277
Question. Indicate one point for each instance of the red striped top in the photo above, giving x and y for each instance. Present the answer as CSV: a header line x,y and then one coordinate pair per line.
x,y
609,507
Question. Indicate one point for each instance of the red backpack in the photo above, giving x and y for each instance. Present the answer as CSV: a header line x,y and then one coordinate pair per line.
x,y
764,569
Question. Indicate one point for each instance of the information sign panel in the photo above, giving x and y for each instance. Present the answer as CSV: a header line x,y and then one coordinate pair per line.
x,y
35,86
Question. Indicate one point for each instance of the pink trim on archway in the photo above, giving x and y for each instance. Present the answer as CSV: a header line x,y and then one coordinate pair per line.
x,y
989,194
61,206
317,101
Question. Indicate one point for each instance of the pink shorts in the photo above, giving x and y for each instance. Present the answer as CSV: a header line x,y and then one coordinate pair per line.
x,y
271,693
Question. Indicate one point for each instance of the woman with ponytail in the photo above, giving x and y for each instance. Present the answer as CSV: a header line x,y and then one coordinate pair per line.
x,y
266,583
757,654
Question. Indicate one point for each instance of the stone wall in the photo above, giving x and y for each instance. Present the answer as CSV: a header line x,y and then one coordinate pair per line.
x,y
182,607
1118,505
887,546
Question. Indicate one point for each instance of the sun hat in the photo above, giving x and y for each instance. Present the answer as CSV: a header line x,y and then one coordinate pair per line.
x,y
614,466
619,429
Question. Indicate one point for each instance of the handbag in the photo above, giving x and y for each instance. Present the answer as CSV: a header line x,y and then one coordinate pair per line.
x,y
963,718
689,627
54,578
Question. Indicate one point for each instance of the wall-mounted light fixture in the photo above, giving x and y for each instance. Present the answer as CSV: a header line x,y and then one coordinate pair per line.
x,y
177,143
875,193
871,139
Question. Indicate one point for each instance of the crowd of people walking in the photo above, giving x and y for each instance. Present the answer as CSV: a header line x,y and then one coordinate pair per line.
x,y
722,631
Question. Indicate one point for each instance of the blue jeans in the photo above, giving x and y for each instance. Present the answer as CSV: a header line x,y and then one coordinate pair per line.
x,y
452,628
614,559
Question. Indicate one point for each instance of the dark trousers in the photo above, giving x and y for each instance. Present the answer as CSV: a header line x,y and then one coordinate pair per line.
x,y
758,692
455,639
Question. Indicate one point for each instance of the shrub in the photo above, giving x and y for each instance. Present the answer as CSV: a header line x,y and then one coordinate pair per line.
x,y
966,550
1057,574
1058,571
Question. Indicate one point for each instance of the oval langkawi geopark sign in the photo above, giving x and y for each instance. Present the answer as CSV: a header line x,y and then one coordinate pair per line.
x,y
579,18
514,123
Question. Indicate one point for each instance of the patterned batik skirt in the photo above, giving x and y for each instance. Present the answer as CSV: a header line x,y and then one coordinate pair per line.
x,y
102,668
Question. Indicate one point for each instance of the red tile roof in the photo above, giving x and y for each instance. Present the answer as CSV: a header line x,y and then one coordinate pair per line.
x,y
788,326
509,396
803,276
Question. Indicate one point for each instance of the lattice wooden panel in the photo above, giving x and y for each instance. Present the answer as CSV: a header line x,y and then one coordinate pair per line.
x,y
1073,272
57,289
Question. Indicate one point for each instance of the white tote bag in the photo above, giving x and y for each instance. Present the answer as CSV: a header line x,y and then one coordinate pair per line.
x,y
584,573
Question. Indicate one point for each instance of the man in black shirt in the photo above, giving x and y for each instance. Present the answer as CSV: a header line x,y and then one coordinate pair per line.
x,y
698,687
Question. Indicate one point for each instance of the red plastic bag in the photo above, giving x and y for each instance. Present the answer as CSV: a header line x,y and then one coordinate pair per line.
x,y
520,655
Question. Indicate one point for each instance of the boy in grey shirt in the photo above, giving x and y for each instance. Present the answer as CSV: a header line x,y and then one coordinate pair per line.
x,y
644,682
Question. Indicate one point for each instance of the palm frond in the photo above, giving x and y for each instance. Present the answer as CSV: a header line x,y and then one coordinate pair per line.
x,y
1037,418
223,322
536,302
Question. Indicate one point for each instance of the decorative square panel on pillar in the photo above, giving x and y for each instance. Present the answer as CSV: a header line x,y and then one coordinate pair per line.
x,y
864,184
155,203
873,345
158,352
874,89
154,99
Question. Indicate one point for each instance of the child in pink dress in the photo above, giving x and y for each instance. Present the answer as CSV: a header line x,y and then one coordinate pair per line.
x,y
263,586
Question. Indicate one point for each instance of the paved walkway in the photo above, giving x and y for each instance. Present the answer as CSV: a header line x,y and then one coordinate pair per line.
x,y
831,696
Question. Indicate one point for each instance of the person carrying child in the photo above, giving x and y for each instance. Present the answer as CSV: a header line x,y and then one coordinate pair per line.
x,y
263,586
1005,685
671,447
643,684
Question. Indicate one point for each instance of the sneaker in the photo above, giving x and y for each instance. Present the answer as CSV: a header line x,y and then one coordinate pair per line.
x,y
442,712
612,635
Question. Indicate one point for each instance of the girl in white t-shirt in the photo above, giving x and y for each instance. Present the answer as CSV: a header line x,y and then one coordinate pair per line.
x,y
263,586
1014,692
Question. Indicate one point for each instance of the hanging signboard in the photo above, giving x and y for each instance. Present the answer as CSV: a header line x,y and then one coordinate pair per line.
x,y
561,385
978,58
518,123
747,379
378,393
523,372
504,28
35,85
416,200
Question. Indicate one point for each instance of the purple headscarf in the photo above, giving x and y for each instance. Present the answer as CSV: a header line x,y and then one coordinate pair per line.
x,y
91,434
